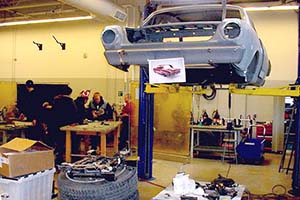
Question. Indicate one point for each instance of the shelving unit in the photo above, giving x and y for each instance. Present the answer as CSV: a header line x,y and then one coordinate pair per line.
x,y
225,142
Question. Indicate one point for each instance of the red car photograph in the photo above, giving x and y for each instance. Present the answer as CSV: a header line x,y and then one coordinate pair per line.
x,y
166,70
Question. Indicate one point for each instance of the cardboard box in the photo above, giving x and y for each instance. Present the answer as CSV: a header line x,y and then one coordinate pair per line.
x,y
22,156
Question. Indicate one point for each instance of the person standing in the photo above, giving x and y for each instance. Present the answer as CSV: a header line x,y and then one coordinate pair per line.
x,y
62,111
33,110
127,121
99,109
80,103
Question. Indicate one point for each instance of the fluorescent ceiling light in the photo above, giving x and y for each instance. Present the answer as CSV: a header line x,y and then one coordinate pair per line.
x,y
272,8
45,21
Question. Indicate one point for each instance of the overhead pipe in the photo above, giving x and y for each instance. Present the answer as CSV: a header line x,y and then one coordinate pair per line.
x,y
99,7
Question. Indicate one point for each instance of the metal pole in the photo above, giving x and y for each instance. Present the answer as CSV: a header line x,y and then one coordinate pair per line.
x,y
295,177
145,135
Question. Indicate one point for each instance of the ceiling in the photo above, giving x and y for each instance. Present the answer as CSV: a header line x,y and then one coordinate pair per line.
x,y
22,10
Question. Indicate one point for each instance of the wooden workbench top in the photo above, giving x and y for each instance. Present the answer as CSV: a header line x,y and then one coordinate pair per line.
x,y
96,126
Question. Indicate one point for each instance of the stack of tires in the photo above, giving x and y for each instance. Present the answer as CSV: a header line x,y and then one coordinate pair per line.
x,y
124,188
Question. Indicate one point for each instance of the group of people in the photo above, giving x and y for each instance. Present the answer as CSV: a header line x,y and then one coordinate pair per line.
x,y
48,117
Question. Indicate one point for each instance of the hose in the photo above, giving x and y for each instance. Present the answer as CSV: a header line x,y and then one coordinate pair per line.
x,y
213,93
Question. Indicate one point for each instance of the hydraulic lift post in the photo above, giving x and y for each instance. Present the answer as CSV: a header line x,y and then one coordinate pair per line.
x,y
145,134
295,177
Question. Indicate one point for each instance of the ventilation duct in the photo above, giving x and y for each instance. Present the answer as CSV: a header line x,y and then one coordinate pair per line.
x,y
99,7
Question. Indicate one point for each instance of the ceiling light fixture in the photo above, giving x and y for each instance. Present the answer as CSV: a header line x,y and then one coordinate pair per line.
x,y
272,8
45,21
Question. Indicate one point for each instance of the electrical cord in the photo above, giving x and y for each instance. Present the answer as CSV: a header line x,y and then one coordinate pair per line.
x,y
228,170
279,192
273,195
155,184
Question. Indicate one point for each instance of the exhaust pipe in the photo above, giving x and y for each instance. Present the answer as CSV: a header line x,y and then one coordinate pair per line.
x,y
99,7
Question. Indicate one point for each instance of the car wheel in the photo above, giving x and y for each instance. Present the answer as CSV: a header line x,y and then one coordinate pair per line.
x,y
124,188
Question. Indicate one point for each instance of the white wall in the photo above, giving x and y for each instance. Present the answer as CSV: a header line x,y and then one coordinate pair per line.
x,y
82,64
279,33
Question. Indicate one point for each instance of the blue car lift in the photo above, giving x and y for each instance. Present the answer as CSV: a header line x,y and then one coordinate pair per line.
x,y
145,135
146,108
295,177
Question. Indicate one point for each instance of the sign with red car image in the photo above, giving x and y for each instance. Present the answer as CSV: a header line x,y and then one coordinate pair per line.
x,y
169,70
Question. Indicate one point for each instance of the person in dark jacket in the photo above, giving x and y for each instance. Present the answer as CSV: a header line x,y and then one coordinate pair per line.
x,y
32,109
99,109
81,109
80,102
63,111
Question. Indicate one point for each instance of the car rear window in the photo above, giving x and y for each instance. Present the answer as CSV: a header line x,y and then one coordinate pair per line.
x,y
192,16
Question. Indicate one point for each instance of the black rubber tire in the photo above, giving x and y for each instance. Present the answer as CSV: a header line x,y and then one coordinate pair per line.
x,y
124,188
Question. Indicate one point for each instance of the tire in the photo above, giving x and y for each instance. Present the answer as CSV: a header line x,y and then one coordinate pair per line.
x,y
124,188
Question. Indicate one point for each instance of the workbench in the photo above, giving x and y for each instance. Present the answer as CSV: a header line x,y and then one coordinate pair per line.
x,y
14,128
97,128
230,139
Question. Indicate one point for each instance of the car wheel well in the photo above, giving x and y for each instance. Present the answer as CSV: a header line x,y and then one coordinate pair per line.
x,y
252,67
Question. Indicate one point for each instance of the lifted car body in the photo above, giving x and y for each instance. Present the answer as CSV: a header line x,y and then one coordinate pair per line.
x,y
215,50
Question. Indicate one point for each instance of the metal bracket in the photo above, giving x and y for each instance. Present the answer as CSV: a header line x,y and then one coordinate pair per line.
x,y
121,53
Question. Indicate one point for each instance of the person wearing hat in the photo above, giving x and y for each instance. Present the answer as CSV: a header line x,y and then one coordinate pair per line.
x,y
80,102
33,110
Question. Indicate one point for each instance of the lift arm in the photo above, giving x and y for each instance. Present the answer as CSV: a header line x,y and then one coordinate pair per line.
x,y
173,88
292,91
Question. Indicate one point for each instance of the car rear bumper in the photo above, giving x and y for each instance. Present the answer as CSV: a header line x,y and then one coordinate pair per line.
x,y
139,54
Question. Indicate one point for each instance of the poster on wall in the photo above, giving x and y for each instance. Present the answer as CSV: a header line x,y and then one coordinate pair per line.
x,y
169,70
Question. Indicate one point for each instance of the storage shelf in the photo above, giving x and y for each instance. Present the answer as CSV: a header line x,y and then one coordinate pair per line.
x,y
215,139
212,148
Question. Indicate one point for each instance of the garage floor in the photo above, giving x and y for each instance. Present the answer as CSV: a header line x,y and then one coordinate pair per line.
x,y
258,179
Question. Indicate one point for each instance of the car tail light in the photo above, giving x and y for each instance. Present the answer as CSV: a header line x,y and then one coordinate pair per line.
x,y
232,30
111,37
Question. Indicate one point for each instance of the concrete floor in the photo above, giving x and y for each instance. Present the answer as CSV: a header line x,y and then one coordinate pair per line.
x,y
258,179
